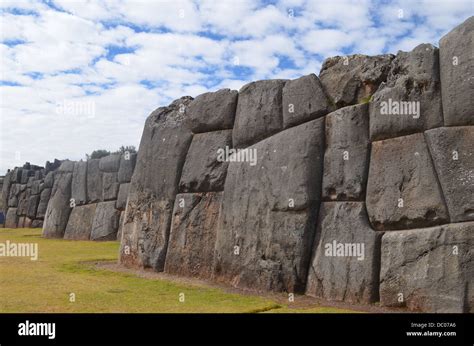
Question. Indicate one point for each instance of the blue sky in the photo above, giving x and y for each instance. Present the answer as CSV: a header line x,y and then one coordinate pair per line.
x,y
81,75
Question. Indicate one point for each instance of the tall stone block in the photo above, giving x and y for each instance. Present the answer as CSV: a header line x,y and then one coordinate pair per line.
x,y
79,225
403,190
269,212
79,183
57,213
106,222
127,165
11,219
94,181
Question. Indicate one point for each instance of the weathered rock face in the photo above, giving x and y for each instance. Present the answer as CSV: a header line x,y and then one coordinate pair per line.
x,y
106,222
453,156
346,159
205,167
346,255
429,269
110,186
33,202
79,225
43,203
110,163
259,112
304,99
410,100
79,183
193,234
122,196
165,142
403,190
212,111
94,181
353,79
456,61
57,213
127,165
269,211
11,219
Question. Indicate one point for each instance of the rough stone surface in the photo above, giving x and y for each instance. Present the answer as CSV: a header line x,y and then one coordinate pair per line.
x,y
57,213
110,163
49,180
452,150
432,268
401,168
106,222
204,169
37,224
163,147
193,234
269,212
353,79
212,111
456,65
66,166
346,159
43,203
94,181
127,165
79,225
11,219
413,77
304,99
79,183
110,186
259,112
33,202
122,196
336,274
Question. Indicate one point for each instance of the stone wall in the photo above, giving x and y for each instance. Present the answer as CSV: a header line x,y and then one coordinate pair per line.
x,y
354,186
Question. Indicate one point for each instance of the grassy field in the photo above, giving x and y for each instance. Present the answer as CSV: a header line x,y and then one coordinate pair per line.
x,y
64,267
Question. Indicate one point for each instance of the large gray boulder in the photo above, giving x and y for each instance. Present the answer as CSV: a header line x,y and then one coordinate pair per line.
x,y
43,203
163,147
106,221
94,181
110,186
33,202
79,183
79,225
59,207
7,183
352,79
212,111
67,166
456,64
11,219
452,149
110,163
269,212
304,99
346,255
205,167
36,187
49,180
193,234
122,196
410,100
429,270
346,159
127,165
402,189
259,112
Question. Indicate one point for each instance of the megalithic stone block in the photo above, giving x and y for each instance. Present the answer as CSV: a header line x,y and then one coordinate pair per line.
x,y
79,183
429,270
346,159
193,234
57,213
269,212
163,147
11,219
410,100
127,165
452,149
33,202
106,221
43,203
456,65
304,99
403,190
110,186
205,167
346,255
79,225
121,203
94,181
259,112
352,79
212,111
110,163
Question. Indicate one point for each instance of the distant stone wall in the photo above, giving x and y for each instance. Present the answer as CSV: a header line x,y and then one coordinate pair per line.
x,y
355,186
73,200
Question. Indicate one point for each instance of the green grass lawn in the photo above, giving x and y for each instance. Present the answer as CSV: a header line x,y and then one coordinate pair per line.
x,y
64,267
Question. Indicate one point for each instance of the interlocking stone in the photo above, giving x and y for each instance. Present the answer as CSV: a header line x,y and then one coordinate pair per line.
x,y
79,225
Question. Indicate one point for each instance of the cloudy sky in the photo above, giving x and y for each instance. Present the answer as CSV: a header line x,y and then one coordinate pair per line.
x,y
82,75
